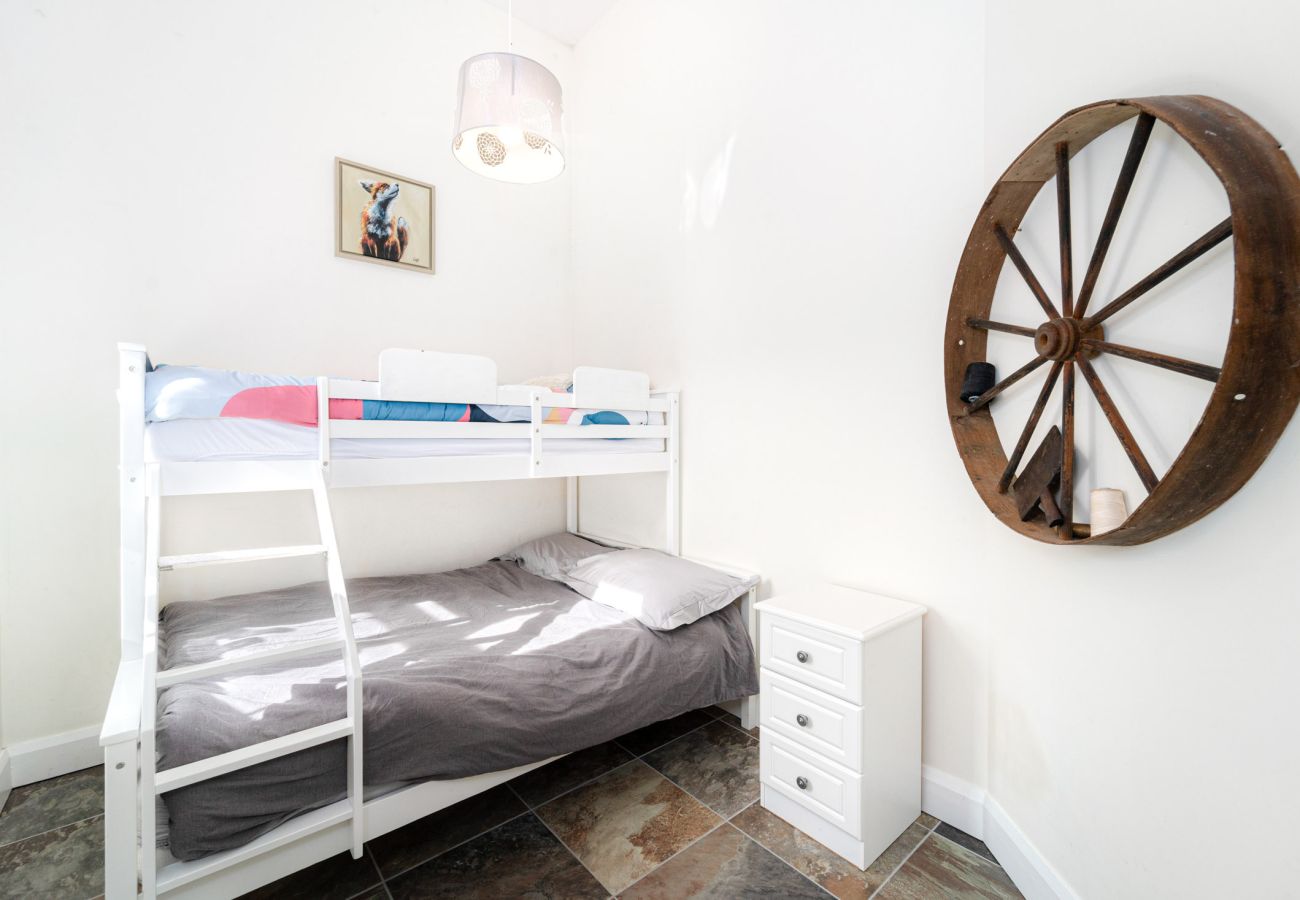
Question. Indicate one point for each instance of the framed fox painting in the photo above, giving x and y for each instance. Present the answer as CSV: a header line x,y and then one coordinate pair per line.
x,y
381,217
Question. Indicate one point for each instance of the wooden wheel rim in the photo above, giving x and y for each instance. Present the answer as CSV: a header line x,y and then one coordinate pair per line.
x,y
1258,385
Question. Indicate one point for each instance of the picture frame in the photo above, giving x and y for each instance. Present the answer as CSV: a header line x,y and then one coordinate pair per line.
x,y
382,217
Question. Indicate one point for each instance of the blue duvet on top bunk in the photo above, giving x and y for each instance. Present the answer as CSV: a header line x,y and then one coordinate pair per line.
x,y
195,392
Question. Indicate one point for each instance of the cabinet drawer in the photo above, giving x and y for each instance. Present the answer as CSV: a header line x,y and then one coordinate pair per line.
x,y
813,656
832,793
816,720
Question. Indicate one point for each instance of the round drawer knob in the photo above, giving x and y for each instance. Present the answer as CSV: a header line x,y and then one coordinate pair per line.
x,y
802,720
802,656
802,782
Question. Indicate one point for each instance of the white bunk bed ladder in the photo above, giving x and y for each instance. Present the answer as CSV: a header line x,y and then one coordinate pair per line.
x,y
155,783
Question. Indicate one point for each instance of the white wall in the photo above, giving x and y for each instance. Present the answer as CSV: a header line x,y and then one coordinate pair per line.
x,y
1143,720
767,200
169,181
773,197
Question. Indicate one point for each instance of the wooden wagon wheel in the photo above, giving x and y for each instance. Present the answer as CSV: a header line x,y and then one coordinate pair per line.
x,y
1256,389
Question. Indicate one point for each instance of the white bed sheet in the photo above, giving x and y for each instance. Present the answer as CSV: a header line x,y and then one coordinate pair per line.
x,y
198,440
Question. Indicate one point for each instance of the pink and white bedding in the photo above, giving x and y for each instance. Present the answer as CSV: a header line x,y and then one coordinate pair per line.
x,y
195,392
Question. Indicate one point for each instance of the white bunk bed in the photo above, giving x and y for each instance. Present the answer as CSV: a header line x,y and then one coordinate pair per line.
x,y
131,779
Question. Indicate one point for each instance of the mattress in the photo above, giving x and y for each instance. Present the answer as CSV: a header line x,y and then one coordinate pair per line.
x,y
469,671
182,440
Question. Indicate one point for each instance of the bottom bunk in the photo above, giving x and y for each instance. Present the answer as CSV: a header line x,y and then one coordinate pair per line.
x,y
474,675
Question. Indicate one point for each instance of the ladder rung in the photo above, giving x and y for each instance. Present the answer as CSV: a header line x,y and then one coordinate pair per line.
x,y
179,674
178,874
166,563
203,769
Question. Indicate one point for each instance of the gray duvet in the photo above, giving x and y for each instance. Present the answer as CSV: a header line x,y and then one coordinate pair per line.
x,y
465,672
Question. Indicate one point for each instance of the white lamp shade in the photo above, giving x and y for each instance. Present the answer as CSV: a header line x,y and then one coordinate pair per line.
x,y
508,119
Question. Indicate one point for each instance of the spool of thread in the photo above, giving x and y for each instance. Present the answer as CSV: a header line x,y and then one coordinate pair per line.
x,y
1108,510
980,376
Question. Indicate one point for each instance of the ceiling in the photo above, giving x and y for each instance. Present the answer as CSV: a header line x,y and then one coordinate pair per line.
x,y
565,20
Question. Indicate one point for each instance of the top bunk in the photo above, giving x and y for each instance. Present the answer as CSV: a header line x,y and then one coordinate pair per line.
x,y
429,417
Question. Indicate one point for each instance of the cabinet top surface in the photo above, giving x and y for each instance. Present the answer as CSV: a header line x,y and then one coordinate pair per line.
x,y
845,610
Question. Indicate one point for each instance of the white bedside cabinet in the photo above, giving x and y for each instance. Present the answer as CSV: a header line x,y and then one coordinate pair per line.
x,y
840,716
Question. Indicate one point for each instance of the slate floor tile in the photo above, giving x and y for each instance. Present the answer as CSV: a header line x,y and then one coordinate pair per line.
x,y
51,804
65,862
627,822
518,859
716,764
633,829
830,870
940,868
425,838
971,843
336,878
732,719
567,772
724,864
643,740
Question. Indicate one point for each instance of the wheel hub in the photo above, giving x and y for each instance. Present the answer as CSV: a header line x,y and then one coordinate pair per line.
x,y
1059,338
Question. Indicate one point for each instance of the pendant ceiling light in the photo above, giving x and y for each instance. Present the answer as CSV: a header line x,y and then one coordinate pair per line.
x,y
508,117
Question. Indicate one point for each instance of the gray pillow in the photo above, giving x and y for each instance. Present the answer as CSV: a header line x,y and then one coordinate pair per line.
x,y
663,592
554,555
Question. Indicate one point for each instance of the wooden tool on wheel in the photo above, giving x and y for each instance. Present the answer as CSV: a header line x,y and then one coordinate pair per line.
x,y
1037,484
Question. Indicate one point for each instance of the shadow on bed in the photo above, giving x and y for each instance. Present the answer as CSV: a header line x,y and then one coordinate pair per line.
x,y
464,672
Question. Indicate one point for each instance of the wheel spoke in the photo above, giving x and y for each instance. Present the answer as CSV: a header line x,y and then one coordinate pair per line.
x,y
1005,383
1126,439
1172,363
1014,462
1063,227
989,325
1067,452
1189,254
1025,272
1137,145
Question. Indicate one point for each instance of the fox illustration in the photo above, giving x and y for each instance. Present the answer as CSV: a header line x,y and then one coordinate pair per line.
x,y
380,235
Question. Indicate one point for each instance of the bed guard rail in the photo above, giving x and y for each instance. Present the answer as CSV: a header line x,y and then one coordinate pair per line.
x,y
431,376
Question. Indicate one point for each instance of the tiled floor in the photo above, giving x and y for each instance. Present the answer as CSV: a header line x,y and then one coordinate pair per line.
x,y
665,812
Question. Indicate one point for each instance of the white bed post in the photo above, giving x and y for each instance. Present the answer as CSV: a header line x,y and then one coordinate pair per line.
x,y
673,507
120,733
121,800
749,705
132,361
571,504
323,424
535,416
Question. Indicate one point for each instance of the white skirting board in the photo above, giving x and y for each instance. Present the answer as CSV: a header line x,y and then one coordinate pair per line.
x,y
957,802
970,808
52,756
6,777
